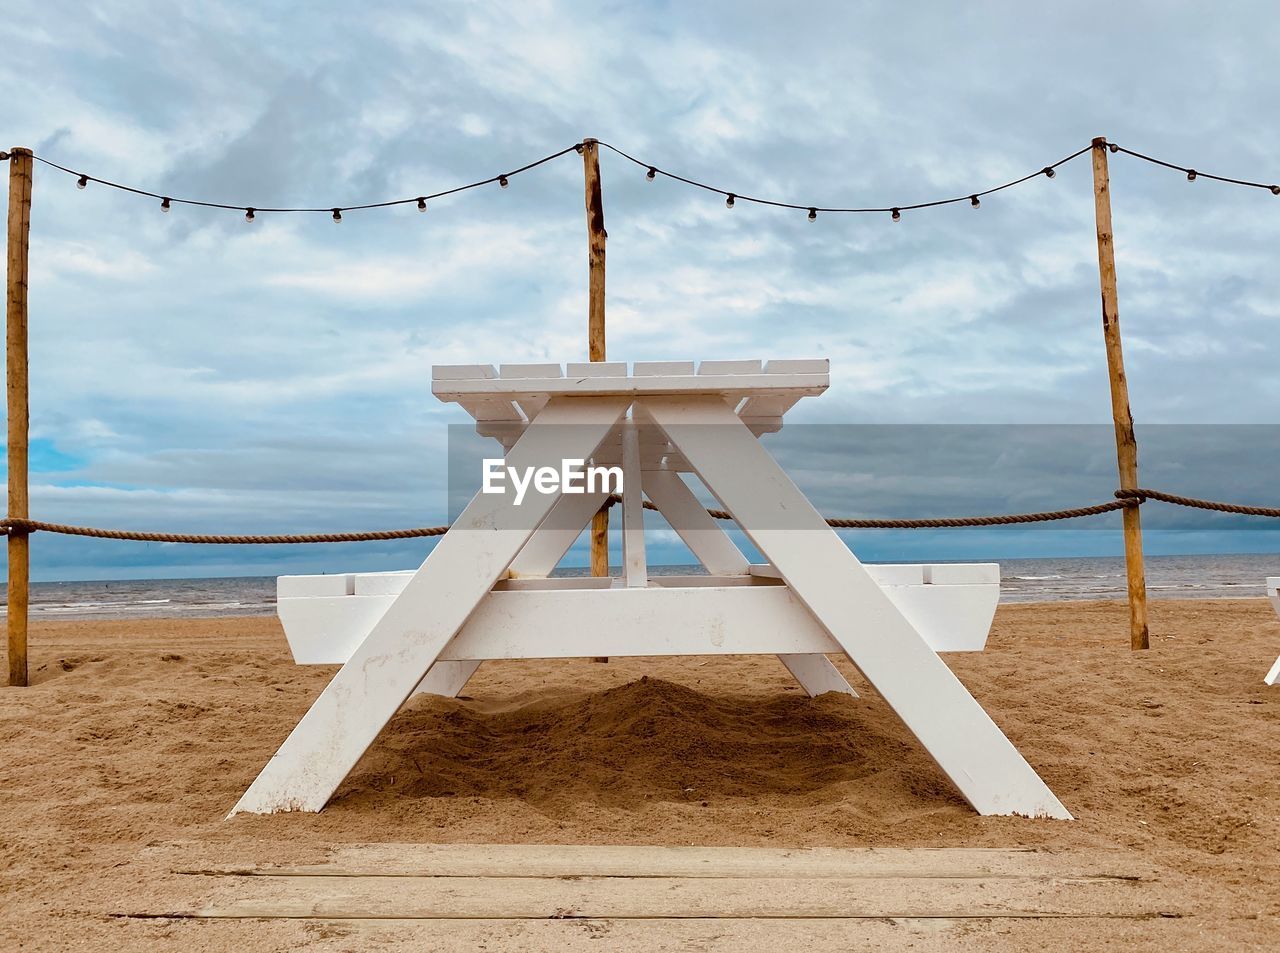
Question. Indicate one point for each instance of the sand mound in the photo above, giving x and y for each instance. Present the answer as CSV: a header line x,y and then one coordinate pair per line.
x,y
644,741
148,731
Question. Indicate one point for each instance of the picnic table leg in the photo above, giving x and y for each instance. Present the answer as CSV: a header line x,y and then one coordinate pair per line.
x,y
712,547
373,684
544,550
828,578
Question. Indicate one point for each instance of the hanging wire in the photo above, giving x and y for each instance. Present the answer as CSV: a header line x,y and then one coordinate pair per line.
x,y
652,171
1193,174
82,180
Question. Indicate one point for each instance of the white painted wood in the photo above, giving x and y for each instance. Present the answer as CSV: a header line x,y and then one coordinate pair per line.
x,y
635,570
1274,674
933,574
558,584
380,583
737,379
530,406
826,576
719,556
731,367
494,410
663,368
739,385
334,584
816,674
709,544
447,678
401,646
962,574
556,534
529,370
1273,593
563,618
461,372
597,369
808,366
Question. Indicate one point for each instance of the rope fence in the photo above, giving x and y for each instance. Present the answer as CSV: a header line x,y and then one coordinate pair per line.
x,y
1124,499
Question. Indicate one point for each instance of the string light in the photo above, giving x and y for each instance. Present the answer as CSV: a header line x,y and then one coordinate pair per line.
x,y
1194,174
83,180
651,173
733,198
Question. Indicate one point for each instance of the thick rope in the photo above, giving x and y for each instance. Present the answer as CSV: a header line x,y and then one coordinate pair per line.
x,y
1142,495
943,522
15,526
1124,499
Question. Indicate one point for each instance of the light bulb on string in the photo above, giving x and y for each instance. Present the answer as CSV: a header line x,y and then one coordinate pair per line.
x,y
1048,172
1191,175
337,214
502,181
973,200
248,215
1113,147
82,182
651,174
1275,190
422,205
896,214
728,202
813,214
164,205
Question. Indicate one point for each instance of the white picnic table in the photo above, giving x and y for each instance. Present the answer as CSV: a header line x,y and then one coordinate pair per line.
x,y
486,589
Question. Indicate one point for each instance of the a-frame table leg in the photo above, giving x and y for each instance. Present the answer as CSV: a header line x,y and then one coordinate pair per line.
x,y
373,684
713,548
544,550
826,576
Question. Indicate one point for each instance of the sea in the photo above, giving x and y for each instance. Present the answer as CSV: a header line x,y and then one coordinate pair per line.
x,y
1022,580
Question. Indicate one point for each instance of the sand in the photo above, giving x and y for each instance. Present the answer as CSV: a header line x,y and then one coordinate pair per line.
x,y
139,733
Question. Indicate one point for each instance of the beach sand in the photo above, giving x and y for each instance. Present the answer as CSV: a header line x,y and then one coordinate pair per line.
x,y
139,733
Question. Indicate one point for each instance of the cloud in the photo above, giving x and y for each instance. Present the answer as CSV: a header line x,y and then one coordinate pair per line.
x,y
201,370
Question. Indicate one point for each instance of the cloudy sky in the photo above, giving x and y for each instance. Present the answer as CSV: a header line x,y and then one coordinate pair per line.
x,y
193,371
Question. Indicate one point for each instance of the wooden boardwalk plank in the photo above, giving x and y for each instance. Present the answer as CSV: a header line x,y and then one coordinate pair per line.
x,y
505,860
465,898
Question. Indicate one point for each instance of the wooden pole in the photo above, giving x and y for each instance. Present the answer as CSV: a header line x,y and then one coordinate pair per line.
x,y
596,237
16,384
1126,442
